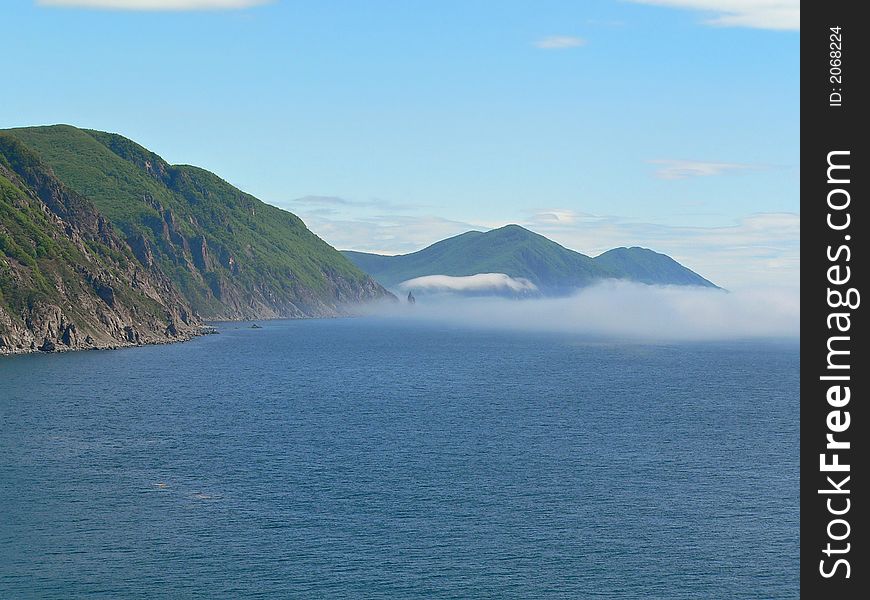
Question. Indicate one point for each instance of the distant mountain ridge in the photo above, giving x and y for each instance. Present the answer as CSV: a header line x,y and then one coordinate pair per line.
x,y
523,254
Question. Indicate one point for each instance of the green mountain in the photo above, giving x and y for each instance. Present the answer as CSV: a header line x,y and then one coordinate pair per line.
x,y
520,253
67,279
230,255
645,266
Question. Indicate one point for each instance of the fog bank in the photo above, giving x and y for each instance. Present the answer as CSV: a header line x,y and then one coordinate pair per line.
x,y
482,282
623,310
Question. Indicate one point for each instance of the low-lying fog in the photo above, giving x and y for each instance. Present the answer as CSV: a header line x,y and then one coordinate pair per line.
x,y
621,309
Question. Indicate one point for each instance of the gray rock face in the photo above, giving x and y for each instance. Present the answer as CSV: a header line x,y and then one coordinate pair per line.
x,y
78,285
233,256
79,270
69,337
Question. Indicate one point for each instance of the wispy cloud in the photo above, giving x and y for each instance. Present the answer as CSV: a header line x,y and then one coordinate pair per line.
x,y
322,201
382,233
154,5
560,42
684,169
562,216
758,14
373,225
337,202
481,282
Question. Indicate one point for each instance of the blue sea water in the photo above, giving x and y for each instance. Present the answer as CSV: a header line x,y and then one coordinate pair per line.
x,y
360,458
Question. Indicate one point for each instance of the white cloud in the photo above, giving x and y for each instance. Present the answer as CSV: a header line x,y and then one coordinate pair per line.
x,y
560,42
482,282
380,233
684,169
623,310
323,201
759,14
560,216
336,202
154,5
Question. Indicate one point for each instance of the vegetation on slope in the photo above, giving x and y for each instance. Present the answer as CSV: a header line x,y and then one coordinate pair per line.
x,y
646,266
511,250
66,278
232,255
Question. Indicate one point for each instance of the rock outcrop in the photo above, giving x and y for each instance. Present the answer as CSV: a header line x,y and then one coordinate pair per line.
x,y
68,281
105,244
233,256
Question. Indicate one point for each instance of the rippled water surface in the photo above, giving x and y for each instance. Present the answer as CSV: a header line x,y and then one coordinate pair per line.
x,y
361,459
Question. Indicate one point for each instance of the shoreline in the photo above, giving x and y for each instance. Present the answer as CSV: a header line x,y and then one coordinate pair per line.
x,y
62,349
207,328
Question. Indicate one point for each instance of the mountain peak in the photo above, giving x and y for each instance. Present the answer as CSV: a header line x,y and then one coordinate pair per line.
x,y
519,253
651,267
510,227
512,230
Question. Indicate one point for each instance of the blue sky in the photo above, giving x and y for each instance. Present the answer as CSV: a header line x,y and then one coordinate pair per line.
x,y
672,124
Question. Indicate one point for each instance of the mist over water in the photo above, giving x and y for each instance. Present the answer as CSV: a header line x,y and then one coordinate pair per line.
x,y
622,310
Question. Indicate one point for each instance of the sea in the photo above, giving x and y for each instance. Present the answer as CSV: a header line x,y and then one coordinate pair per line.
x,y
369,458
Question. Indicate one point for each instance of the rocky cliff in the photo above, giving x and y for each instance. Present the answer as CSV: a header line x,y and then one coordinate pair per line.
x,y
231,255
67,279
103,243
